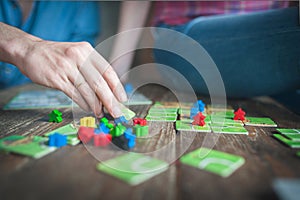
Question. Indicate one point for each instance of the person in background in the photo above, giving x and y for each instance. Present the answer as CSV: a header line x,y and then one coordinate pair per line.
x,y
253,43
48,42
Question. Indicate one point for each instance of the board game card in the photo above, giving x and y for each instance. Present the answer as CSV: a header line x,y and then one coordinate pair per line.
x,y
133,168
186,126
287,189
286,131
291,143
223,164
37,99
70,131
29,146
137,99
260,121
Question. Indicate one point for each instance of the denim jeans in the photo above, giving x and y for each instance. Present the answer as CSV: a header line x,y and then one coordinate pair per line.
x,y
256,54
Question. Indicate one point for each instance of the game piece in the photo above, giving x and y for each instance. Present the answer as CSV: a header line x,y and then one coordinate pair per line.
x,y
33,146
121,142
85,134
121,120
35,99
130,137
298,153
70,131
193,112
287,141
199,105
287,189
214,161
88,122
260,121
187,126
118,130
133,168
104,120
140,121
102,139
141,130
199,119
128,88
104,128
239,115
57,140
55,116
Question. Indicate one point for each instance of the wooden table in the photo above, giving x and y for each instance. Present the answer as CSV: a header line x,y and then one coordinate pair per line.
x,y
70,172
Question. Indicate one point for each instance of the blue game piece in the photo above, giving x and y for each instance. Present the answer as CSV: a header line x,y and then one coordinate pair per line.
x,y
130,137
128,88
98,130
121,120
131,144
193,112
57,140
104,128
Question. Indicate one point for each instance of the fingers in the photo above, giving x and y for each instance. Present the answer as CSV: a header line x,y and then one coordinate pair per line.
x,y
110,76
101,88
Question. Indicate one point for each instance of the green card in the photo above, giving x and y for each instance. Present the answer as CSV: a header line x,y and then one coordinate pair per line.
x,y
287,141
70,131
160,118
29,146
186,126
217,162
286,131
228,128
260,121
133,168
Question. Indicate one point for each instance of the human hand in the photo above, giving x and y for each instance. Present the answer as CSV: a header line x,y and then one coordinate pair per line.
x,y
77,70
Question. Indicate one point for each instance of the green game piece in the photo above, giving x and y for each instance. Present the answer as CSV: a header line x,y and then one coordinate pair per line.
x,y
29,146
141,130
298,153
260,121
104,120
217,162
287,141
186,126
110,125
288,131
133,168
118,130
55,116
70,131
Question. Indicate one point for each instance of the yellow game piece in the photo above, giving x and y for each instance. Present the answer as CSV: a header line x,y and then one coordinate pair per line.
x,y
88,122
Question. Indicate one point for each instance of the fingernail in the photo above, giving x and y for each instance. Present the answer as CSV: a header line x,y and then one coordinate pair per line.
x,y
116,111
120,93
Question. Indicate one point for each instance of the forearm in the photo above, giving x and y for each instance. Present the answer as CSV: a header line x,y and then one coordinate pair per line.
x,y
14,44
133,15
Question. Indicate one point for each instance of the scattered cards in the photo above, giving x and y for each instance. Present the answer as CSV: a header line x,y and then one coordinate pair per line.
x,y
133,168
33,146
70,131
217,162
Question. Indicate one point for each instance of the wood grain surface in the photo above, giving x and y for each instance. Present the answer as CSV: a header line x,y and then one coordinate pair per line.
x,y
70,172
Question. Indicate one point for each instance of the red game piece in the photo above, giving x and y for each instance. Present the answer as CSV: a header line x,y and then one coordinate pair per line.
x,y
85,134
140,121
199,119
239,115
102,139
